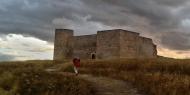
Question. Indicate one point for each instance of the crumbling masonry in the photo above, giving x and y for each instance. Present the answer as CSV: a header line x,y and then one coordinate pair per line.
x,y
108,44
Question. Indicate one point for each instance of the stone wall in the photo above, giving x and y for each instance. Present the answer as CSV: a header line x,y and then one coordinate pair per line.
x,y
134,46
84,46
146,48
63,44
108,45
128,44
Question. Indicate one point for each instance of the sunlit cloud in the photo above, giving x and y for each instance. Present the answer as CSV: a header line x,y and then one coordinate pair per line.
x,y
173,53
25,48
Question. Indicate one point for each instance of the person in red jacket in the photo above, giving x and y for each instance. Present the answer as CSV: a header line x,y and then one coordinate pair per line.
x,y
76,63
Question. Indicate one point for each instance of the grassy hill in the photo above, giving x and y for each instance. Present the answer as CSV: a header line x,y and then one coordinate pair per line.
x,y
30,78
162,76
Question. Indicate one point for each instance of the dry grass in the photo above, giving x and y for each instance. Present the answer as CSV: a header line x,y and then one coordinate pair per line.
x,y
151,76
30,78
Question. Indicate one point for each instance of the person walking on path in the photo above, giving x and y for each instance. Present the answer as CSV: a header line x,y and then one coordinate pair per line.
x,y
76,63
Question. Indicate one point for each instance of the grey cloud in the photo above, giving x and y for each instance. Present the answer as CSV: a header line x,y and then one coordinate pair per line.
x,y
20,18
176,40
158,15
35,17
172,3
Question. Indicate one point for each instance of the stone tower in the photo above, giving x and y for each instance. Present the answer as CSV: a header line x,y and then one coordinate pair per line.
x,y
63,44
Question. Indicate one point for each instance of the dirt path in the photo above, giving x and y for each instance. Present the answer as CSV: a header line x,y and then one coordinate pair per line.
x,y
104,85
108,86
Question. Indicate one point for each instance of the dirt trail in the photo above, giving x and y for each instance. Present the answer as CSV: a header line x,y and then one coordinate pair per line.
x,y
104,85
108,86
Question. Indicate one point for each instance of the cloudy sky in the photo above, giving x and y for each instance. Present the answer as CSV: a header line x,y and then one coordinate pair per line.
x,y
27,26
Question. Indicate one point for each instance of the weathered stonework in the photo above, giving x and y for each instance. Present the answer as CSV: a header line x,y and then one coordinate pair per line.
x,y
84,46
129,44
63,44
108,44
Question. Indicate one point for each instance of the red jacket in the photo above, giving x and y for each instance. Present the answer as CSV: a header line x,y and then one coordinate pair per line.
x,y
76,62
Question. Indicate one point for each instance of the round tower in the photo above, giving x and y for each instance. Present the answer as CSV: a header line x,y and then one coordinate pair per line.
x,y
63,44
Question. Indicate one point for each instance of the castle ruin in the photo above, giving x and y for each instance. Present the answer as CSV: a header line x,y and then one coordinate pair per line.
x,y
108,44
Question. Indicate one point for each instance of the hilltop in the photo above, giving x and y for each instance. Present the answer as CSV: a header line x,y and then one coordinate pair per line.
x,y
162,76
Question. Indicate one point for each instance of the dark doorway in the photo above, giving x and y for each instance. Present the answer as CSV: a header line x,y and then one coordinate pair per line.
x,y
93,56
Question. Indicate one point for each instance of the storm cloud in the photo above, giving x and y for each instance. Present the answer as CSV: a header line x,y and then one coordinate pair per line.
x,y
165,21
176,41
